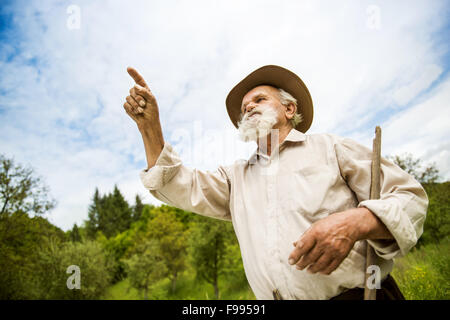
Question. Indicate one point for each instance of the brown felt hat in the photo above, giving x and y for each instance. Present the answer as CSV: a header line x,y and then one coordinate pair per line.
x,y
275,76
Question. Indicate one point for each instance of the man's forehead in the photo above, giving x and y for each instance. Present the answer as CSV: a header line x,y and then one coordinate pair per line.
x,y
262,89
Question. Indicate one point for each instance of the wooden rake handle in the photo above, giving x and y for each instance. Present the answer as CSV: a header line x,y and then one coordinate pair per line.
x,y
370,294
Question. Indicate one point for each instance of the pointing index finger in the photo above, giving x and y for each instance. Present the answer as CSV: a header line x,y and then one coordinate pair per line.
x,y
137,77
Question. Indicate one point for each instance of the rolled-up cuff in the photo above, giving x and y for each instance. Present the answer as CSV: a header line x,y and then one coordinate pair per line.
x,y
398,224
165,168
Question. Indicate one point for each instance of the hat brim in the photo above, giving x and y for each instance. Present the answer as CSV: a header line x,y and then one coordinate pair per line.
x,y
275,76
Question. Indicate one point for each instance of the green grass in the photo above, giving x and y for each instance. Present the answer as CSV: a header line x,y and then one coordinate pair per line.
x,y
121,291
424,274
187,288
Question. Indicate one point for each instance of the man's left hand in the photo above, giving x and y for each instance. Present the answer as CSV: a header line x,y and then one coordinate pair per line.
x,y
327,242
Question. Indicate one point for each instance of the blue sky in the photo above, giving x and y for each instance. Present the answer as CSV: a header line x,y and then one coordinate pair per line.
x,y
366,63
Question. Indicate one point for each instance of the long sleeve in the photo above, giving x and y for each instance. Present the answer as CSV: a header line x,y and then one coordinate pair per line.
x,y
206,193
403,202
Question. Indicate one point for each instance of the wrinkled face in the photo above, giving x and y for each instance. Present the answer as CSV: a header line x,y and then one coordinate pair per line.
x,y
261,111
260,98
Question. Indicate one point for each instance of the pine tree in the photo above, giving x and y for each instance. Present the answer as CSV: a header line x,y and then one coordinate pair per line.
x,y
121,212
75,234
115,213
137,209
110,214
92,224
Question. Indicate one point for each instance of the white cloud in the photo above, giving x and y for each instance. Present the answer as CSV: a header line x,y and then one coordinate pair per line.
x,y
424,79
423,130
62,94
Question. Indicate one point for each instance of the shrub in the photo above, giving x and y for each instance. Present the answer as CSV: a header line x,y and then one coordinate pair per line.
x,y
94,271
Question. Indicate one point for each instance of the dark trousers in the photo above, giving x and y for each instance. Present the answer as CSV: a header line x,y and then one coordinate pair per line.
x,y
389,291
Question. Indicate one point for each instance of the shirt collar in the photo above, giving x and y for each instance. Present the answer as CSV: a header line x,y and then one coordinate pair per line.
x,y
293,136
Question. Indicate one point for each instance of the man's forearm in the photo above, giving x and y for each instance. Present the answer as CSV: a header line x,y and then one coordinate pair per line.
x,y
330,239
370,226
153,142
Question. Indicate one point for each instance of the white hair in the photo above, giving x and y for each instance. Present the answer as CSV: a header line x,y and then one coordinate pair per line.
x,y
285,99
252,129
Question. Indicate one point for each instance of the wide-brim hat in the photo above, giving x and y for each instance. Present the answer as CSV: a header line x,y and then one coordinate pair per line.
x,y
275,76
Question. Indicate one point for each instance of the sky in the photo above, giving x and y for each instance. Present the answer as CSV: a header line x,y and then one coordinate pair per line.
x,y
63,82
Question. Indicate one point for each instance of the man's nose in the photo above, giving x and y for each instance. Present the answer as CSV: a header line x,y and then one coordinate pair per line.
x,y
250,107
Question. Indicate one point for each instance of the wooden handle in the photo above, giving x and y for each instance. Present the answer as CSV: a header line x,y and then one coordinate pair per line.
x,y
370,294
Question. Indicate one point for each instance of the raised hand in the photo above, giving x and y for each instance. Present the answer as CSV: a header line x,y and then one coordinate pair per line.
x,y
141,104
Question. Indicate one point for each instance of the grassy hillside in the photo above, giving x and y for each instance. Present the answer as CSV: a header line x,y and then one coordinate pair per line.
x,y
188,288
421,275
424,274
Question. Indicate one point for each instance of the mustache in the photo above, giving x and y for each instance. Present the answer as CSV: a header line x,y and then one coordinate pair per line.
x,y
246,116
252,113
251,130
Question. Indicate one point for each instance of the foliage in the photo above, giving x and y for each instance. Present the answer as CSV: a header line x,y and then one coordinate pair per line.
x,y
21,240
110,214
172,239
121,290
21,190
115,249
165,252
423,274
437,222
92,224
233,269
415,167
137,208
74,234
189,287
209,241
88,256
146,266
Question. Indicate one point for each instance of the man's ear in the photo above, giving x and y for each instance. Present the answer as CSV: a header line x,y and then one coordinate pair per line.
x,y
291,109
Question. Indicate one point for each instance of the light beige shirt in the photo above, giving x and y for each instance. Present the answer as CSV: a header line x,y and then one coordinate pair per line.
x,y
272,201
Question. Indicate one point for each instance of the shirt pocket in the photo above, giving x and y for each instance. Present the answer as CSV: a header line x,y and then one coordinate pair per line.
x,y
313,191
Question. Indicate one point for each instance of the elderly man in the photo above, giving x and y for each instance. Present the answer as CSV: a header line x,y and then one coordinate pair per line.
x,y
300,205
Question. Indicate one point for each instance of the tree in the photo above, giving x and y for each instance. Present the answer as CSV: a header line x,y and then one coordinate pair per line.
x,y
52,273
146,266
92,224
172,239
233,267
116,249
21,190
115,215
137,208
437,223
74,234
110,214
209,241
21,240
422,173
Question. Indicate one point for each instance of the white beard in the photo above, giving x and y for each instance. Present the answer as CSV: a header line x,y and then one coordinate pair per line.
x,y
258,126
